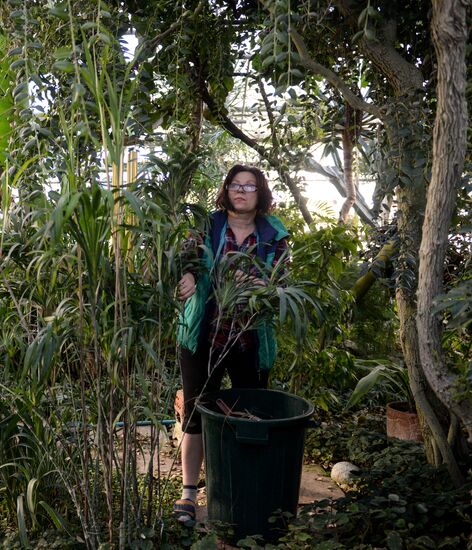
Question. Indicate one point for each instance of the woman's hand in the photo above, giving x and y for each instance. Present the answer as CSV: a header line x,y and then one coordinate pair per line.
x,y
186,286
242,277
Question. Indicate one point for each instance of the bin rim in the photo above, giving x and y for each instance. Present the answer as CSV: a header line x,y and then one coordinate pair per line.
x,y
304,417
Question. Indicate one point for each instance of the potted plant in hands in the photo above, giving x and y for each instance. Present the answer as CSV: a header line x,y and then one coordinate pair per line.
x,y
402,418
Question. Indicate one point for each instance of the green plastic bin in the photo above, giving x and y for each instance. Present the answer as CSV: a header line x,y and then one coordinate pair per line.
x,y
253,466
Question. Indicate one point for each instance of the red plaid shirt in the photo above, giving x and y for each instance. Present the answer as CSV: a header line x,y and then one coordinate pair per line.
x,y
228,329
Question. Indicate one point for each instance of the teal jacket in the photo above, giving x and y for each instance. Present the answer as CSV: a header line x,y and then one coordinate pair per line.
x,y
269,230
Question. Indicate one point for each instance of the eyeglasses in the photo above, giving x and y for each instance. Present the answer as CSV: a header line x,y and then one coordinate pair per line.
x,y
246,188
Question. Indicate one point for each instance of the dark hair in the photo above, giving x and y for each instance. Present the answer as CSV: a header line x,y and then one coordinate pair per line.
x,y
264,194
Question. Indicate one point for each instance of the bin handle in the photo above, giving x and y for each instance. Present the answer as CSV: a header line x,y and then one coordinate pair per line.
x,y
252,433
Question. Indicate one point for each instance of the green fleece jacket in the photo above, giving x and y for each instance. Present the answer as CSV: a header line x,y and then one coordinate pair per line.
x,y
270,230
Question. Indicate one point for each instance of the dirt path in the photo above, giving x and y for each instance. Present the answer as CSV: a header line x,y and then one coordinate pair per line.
x,y
315,483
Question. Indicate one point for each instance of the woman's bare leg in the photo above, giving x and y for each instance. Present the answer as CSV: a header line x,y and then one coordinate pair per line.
x,y
192,458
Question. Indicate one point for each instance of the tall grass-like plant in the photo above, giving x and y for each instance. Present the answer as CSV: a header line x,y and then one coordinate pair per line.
x,y
6,100
90,262
96,346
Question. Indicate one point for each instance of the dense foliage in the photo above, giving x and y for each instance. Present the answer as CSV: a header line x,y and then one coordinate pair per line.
x,y
91,246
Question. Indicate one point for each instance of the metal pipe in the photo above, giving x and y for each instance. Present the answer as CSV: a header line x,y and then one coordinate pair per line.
x,y
165,422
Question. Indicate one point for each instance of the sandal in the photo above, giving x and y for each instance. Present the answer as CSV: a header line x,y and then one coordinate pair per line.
x,y
184,511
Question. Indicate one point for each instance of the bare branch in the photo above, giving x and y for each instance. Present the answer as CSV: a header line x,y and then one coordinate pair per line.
x,y
283,171
270,114
306,60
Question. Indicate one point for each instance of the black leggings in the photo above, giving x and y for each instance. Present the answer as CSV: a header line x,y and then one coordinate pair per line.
x,y
240,365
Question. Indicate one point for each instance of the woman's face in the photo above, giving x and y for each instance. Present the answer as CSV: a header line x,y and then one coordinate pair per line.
x,y
243,200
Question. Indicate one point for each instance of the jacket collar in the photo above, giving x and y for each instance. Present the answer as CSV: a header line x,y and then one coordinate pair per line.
x,y
266,233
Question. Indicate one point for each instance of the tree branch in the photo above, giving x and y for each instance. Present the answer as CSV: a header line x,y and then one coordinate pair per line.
x,y
229,125
335,80
402,75
270,114
273,161
176,24
336,178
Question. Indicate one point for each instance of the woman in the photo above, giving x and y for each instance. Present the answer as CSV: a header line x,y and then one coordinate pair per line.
x,y
211,346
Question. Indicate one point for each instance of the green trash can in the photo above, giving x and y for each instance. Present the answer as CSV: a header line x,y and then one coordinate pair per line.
x,y
253,458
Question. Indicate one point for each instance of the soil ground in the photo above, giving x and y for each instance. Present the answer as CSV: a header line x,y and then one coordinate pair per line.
x,y
315,483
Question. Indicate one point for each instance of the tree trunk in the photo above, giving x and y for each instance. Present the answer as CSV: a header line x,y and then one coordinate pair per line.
x,y
403,121
348,153
449,29
411,203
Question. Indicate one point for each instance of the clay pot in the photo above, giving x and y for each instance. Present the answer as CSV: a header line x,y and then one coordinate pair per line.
x,y
402,422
